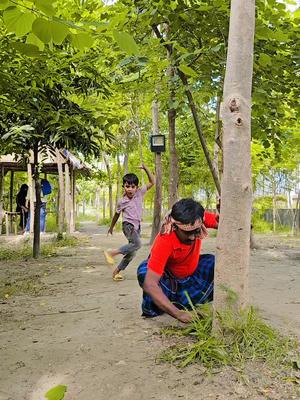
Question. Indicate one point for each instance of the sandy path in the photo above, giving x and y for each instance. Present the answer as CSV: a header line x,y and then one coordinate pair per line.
x,y
85,331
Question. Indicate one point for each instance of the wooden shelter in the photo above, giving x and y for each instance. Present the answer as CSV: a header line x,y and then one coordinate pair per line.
x,y
56,162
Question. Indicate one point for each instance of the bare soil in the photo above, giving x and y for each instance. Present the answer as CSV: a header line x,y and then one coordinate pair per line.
x,y
80,328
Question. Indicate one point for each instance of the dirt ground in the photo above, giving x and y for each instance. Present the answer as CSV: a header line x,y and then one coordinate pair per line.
x,y
85,331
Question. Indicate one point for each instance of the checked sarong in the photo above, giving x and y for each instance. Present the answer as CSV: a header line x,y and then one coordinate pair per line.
x,y
199,286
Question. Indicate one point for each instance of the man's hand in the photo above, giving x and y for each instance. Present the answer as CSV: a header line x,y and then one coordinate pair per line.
x,y
184,317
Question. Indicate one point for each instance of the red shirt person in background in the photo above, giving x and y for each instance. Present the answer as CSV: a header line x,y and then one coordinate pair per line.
x,y
175,266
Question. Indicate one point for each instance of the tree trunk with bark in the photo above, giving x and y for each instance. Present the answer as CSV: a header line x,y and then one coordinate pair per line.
x,y
158,176
118,181
67,198
274,208
174,175
1,196
61,194
126,155
233,239
37,210
106,161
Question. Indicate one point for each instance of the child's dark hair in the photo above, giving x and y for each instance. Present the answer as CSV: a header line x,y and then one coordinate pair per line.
x,y
187,211
131,179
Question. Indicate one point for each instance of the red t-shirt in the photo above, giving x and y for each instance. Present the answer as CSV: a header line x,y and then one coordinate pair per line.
x,y
180,259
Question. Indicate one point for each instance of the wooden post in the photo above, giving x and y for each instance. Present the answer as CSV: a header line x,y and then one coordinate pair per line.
x,y
11,197
1,196
74,196
31,196
67,198
72,207
6,224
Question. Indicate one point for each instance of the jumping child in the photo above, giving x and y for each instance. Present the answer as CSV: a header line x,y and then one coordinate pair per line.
x,y
131,206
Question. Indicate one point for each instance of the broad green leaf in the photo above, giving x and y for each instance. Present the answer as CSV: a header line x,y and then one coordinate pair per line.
x,y
42,29
126,42
32,39
264,60
56,393
4,4
27,49
59,32
187,70
82,40
280,36
17,21
45,6
216,48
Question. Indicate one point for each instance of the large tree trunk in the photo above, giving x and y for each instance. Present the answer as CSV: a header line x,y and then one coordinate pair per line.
x,y
233,247
158,177
61,194
217,144
174,176
37,210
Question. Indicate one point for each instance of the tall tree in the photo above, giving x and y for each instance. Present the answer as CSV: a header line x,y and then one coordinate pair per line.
x,y
158,176
233,239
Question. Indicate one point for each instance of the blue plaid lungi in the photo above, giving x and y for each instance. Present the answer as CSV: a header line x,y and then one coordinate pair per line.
x,y
199,286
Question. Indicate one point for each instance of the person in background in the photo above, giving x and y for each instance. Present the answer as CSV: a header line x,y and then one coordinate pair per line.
x,y
45,191
21,205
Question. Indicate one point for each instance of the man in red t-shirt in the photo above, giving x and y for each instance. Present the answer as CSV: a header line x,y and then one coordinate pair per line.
x,y
175,267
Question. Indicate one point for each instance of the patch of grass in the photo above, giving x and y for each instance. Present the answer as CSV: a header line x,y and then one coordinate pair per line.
x,y
66,241
242,337
31,286
51,223
24,251
86,217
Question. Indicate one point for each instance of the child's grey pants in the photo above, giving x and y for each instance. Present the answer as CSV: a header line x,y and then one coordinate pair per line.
x,y
129,250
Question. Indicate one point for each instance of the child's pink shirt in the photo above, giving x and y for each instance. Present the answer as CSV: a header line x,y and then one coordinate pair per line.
x,y
132,209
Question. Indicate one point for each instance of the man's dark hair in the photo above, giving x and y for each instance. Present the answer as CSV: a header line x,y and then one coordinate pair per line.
x,y
131,179
187,211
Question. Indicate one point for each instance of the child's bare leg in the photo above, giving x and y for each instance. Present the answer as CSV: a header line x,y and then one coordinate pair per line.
x,y
116,271
113,252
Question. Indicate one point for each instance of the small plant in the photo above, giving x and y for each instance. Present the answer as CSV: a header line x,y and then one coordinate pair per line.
x,y
242,337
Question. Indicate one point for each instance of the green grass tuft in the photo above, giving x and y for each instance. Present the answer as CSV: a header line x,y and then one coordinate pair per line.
x,y
24,251
242,337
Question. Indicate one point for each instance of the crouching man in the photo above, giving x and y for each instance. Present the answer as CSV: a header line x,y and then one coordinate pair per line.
x,y
175,266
